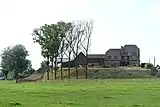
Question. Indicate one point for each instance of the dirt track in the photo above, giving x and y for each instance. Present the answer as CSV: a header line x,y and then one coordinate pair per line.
x,y
38,75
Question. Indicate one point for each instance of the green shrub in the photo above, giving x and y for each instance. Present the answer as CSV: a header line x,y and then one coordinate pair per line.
x,y
154,71
149,65
142,65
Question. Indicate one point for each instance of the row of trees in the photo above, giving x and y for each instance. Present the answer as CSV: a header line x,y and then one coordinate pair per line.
x,y
14,62
56,41
63,39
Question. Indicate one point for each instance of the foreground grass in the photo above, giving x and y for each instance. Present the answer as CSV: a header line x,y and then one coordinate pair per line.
x,y
81,93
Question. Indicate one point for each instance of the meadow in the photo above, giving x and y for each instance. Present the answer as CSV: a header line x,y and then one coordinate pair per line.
x,y
82,93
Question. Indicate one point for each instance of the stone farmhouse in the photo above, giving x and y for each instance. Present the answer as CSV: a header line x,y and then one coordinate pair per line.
x,y
125,56
129,55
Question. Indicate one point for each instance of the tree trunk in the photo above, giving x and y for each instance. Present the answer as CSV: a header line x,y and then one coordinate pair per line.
x,y
76,71
52,68
61,68
47,68
86,73
6,76
16,77
69,66
48,73
55,69
16,80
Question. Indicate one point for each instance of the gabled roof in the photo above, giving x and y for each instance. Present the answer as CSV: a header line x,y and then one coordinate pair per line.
x,y
79,55
131,45
113,52
96,55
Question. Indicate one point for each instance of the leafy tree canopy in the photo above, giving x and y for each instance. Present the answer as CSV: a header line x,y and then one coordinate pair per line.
x,y
14,60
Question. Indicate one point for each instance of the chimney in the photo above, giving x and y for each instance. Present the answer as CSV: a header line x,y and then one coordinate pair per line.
x,y
121,50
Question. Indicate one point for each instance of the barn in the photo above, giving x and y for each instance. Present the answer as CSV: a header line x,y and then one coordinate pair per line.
x,y
81,59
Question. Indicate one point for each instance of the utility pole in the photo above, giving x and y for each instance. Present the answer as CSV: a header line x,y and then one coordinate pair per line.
x,y
149,60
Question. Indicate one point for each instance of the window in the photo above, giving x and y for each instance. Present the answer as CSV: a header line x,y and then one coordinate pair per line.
x,y
125,53
109,57
133,63
115,57
134,53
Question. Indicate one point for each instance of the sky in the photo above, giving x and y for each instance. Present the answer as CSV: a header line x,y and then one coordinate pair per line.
x,y
116,23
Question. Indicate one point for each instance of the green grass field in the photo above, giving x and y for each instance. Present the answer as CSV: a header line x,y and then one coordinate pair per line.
x,y
82,93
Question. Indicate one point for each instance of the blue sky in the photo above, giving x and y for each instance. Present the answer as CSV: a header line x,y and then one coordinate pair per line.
x,y
117,22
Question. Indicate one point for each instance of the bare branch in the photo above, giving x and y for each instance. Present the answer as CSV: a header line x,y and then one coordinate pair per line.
x,y
88,29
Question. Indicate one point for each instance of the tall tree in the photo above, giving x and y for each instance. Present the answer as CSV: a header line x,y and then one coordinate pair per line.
x,y
45,54
17,62
6,67
18,59
60,30
70,46
54,45
64,29
42,36
50,38
47,37
86,42
77,32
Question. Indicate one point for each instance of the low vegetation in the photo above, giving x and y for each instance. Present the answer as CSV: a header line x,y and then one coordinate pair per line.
x,y
105,73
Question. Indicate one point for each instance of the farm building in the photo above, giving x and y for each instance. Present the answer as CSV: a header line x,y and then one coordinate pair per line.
x,y
81,59
129,55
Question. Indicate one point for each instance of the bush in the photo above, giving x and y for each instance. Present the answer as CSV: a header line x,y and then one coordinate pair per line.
x,y
10,76
154,71
142,65
149,65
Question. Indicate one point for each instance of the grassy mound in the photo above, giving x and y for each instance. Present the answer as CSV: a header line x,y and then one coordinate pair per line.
x,y
95,73
104,73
